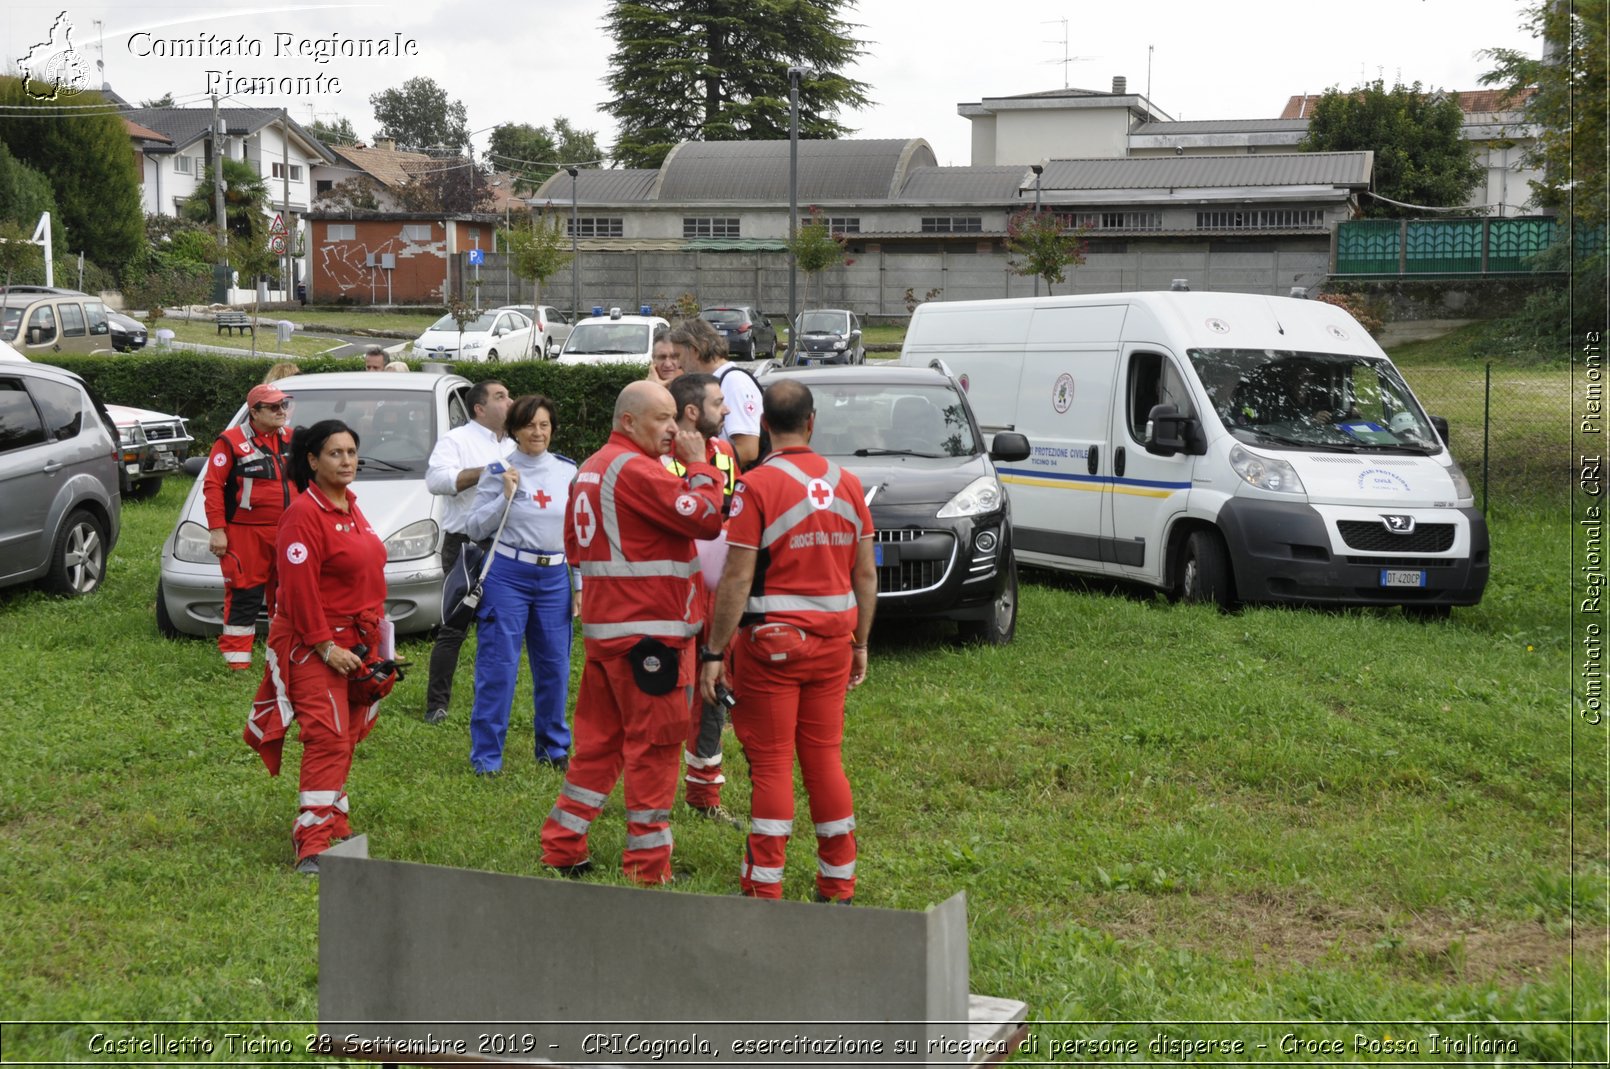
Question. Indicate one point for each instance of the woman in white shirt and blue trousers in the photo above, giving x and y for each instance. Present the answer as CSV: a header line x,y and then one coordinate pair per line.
x,y
527,593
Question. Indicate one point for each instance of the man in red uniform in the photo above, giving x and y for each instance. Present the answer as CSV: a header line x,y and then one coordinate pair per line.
x,y
799,590
246,491
629,529
700,407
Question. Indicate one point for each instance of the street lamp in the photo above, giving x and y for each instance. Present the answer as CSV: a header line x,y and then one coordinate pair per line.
x,y
575,264
794,75
1037,168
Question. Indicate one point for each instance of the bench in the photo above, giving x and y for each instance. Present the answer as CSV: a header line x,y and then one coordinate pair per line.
x,y
234,322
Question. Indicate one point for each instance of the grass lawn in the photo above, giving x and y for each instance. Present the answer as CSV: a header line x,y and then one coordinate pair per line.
x,y
202,331
1158,814
411,323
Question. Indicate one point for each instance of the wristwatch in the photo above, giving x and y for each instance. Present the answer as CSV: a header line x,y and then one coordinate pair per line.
x,y
710,656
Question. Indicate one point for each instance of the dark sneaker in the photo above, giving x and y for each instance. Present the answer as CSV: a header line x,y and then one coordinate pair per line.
x,y
308,866
435,716
820,897
573,872
561,763
717,814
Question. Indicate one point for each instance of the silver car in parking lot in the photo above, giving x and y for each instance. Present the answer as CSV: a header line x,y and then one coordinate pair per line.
x,y
398,419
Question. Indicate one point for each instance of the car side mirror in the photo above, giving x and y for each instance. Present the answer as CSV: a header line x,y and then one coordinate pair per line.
x,y
35,336
1009,445
1440,423
1168,432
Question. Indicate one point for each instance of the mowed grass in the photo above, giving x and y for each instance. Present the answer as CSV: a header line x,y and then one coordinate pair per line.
x,y
1158,813
202,331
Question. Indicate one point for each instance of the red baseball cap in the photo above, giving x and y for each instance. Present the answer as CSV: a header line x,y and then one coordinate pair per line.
x,y
266,394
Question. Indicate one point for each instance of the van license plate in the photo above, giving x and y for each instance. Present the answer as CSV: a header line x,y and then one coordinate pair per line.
x,y
1392,577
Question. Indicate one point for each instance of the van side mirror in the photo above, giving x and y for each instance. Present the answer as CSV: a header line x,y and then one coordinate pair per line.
x,y
1009,445
1440,423
1168,432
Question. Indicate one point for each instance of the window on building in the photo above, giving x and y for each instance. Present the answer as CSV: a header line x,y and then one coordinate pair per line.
x,y
416,232
844,224
183,164
341,232
1262,219
710,226
295,169
952,224
322,186
597,226
1117,220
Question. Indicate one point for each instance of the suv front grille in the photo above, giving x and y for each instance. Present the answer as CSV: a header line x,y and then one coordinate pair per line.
x,y
161,432
1373,537
925,560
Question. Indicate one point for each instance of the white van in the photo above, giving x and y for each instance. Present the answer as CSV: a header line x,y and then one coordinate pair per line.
x,y
1224,447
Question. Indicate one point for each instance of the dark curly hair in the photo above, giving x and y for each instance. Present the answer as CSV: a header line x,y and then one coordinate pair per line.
x,y
309,441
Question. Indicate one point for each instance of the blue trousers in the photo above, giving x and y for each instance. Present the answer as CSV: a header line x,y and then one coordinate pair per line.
x,y
531,602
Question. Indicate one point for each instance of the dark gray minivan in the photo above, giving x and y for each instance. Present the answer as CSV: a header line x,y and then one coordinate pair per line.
x,y
58,480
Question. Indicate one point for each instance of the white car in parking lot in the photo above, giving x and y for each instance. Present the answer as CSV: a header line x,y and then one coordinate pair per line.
x,y
612,338
549,328
492,337
398,419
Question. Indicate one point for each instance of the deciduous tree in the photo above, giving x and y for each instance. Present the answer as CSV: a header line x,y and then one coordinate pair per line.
x,y
1421,161
815,249
536,152
713,70
1042,245
339,132
419,115
538,252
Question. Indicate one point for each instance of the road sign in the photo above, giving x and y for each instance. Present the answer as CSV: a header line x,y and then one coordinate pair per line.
x,y
477,257
279,225
276,245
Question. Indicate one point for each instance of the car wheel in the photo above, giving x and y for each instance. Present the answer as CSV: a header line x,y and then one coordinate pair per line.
x,y
1205,575
78,560
144,491
492,357
1001,625
165,626
547,348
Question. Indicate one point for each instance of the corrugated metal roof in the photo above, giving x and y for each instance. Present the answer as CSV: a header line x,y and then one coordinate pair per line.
x,y
1350,169
963,185
1221,126
703,172
599,186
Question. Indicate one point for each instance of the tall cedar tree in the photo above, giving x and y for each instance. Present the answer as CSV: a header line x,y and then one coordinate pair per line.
x,y
1420,159
85,154
418,115
717,70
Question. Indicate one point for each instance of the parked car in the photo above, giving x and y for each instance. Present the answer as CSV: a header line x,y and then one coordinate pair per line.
x,y
749,334
58,479
40,323
549,328
612,338
827,336
944,523
494,336
398,418
128,333
154,445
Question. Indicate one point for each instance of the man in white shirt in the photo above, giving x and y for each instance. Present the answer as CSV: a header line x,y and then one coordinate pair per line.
x,y
703,350
455,467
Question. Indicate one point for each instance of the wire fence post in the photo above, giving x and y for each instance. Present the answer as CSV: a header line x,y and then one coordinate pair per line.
x,y
1486,433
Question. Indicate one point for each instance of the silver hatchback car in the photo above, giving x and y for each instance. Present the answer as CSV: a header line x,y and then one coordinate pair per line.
x,y
59,479
398,418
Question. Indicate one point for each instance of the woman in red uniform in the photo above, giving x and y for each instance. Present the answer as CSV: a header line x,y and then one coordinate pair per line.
x,y
329,601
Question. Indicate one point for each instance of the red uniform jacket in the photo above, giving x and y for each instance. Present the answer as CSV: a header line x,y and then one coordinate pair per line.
x,y
247,479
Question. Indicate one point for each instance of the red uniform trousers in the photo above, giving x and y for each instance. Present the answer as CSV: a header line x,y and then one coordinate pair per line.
x,y
790,706
246,567
298,685
703,779
617,725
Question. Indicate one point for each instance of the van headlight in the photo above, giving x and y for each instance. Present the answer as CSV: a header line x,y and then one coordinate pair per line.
x,y
981,495
412,542
190,544
1266,473
1461,486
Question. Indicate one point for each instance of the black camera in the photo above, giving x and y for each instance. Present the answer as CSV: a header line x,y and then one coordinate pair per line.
x,y
725,697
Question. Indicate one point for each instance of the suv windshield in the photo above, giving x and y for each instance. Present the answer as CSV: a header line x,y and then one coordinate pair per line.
x,y
881,419
1304,400
396,429
824,323
615,339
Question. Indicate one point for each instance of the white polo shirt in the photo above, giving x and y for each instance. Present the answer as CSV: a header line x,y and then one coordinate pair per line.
x,y
469,446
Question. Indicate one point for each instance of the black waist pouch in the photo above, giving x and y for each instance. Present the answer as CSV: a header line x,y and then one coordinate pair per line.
x,y
654,666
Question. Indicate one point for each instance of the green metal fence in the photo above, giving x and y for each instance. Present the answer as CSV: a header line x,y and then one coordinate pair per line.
x,y
1464,246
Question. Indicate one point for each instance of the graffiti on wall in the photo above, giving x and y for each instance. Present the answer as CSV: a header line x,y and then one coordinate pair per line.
x,y
345,265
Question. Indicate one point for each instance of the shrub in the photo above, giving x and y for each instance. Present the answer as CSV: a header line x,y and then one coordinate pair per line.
x,y
1359,307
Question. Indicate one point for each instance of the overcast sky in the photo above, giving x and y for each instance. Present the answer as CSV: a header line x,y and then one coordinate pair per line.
x,y
534,60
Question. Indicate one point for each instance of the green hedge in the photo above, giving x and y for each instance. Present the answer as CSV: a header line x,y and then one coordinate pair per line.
x,y
206,389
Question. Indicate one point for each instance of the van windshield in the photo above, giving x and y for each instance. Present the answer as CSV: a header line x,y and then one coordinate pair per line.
x,y
1302,400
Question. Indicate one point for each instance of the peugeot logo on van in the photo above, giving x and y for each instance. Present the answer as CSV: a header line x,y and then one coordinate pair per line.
x,y
1399,524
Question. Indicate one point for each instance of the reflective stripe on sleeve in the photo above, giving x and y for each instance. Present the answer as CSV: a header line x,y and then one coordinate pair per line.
x,y
763,826
569,821
592,799
836,827
835,872
649,841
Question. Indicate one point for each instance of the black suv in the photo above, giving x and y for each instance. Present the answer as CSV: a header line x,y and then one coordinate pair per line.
x,y
944,523
749,334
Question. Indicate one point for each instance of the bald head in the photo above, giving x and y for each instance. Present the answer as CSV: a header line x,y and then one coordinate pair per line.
x,y
646,414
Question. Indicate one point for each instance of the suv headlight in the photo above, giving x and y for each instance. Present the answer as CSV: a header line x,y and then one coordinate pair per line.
x,y
981,495
412,542
1461,485
190,543
1266,473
